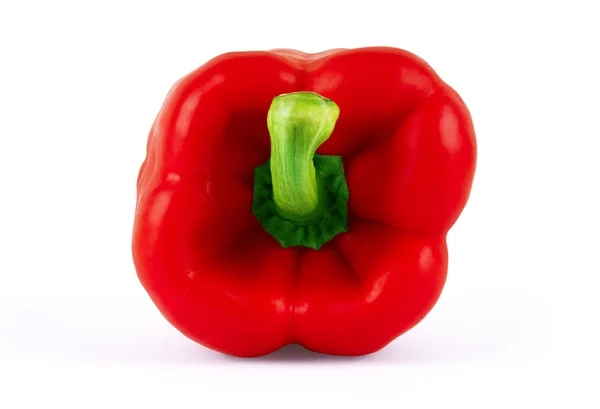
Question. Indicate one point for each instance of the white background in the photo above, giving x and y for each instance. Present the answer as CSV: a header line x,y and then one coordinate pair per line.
x,y
81,82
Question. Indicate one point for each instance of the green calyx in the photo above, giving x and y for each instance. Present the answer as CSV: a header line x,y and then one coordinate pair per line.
x,y
329,219
300,197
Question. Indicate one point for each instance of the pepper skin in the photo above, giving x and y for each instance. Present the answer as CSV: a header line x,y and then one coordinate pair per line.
x,y
409,156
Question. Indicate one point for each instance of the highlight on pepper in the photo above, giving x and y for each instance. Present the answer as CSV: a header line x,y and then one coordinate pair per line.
x,y
294,198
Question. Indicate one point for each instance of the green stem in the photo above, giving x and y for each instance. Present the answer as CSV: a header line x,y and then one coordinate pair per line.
x,y
298,124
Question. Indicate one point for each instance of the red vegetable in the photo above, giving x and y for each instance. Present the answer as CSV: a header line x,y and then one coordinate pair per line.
x,y
246,243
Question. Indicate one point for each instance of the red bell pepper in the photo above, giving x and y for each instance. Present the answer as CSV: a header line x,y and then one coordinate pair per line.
x,y
302,198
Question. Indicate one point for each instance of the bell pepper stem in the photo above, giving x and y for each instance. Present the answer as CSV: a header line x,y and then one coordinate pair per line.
x,y
298,124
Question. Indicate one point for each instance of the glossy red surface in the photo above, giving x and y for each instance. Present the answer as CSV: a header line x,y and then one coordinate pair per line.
x,y
409,155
